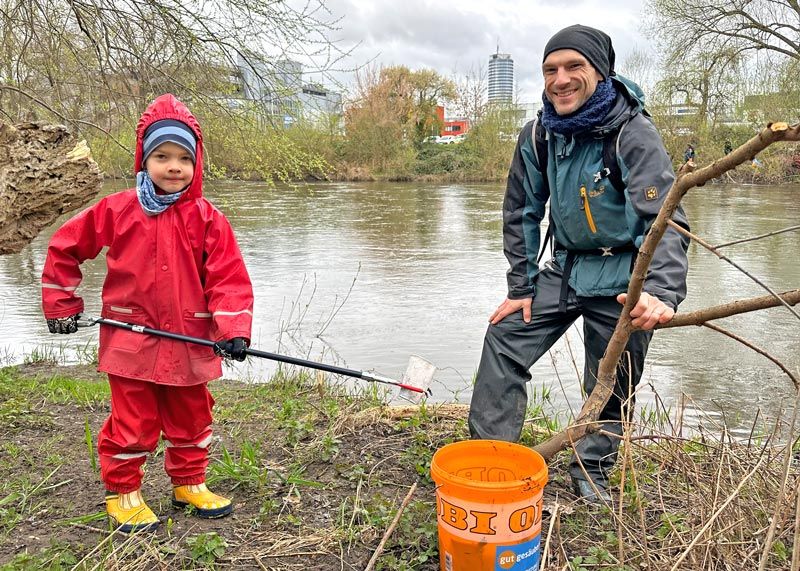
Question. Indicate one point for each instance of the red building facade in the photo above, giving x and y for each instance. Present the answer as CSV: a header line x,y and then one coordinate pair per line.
x,y
454,127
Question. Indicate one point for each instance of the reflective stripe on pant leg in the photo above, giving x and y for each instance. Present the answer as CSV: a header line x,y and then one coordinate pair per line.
x,y
128,434
598,452
510,348
186,424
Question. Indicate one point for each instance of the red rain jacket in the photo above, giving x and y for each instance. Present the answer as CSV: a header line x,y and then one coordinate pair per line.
x,y
179,271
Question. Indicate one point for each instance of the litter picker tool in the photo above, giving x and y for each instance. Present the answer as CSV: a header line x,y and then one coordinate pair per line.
x,y
413,386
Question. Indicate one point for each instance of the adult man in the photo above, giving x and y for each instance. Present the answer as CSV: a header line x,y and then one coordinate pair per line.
x,y
596,228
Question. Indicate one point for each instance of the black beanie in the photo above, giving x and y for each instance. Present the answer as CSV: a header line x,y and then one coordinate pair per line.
x,y
593,44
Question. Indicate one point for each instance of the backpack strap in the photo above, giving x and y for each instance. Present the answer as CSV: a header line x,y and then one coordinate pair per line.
x,y
610,162
540,146
540,150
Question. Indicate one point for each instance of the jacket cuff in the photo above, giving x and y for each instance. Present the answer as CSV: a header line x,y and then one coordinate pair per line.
x,y
63,312
517,294
235,333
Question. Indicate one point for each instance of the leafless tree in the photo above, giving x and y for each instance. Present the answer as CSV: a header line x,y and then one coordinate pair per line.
x,y
712,50
470,95
736,25
90,63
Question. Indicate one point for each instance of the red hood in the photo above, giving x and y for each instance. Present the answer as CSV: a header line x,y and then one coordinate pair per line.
x,y
167,106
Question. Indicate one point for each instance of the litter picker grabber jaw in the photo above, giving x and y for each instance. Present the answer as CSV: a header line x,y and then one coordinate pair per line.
x,y
413,387
419,374
415,382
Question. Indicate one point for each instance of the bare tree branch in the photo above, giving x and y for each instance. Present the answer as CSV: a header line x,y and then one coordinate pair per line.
x,y
737,307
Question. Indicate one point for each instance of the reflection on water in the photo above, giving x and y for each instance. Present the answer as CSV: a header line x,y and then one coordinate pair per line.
x,y
366,274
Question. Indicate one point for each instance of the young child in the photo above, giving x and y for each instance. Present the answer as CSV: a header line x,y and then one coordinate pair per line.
x,y
173,264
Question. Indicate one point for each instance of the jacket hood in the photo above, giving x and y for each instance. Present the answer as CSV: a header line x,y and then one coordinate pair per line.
x,y
167,106
630,90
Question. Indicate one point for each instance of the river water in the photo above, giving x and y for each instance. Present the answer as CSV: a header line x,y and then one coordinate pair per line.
x,y
364,275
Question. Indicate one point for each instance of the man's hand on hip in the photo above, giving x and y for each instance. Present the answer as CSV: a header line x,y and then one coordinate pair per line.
x,y
648,312
510,306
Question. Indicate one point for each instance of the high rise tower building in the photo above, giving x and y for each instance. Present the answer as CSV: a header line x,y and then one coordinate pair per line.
x,y
501,78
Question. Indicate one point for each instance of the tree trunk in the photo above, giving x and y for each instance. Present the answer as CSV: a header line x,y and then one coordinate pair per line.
x,y
43,174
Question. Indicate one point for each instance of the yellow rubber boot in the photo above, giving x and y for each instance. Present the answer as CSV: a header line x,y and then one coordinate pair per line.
x,y
207,503
129,513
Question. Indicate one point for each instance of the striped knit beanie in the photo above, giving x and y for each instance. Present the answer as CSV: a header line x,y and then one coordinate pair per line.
x,y
169,131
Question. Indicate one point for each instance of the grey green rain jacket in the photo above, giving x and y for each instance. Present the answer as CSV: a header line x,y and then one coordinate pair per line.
x,y
590,214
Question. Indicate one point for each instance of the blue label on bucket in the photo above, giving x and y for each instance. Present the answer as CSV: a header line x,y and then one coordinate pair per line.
x,y
520,557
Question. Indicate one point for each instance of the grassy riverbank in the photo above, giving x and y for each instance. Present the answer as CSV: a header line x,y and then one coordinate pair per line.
x,y
318,473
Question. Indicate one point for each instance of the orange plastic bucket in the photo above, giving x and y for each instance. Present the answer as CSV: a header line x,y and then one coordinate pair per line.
x,y
488,505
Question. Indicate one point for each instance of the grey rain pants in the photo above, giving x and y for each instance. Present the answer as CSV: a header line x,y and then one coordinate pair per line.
x,y
499,401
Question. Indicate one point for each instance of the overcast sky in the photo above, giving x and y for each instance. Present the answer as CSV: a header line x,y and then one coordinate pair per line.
x,y
454,36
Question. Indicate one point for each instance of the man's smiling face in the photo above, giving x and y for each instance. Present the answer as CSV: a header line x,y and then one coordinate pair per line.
x,y
569,80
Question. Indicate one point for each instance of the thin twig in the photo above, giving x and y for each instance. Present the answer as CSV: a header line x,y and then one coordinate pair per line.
x,y
787,463
716,514
89,528
796,542
724,258
757,349
553,518
65,118
767,235
390,529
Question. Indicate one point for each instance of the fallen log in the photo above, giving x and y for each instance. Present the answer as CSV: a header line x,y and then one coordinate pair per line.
x,y
43,174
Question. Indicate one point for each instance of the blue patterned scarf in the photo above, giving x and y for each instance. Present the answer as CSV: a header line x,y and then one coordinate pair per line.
x,y
589,115
151,202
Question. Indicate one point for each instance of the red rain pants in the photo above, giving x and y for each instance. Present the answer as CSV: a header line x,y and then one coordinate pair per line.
x,y
140,412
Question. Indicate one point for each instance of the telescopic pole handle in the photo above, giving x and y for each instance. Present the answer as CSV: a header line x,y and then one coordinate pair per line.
x,y
254,352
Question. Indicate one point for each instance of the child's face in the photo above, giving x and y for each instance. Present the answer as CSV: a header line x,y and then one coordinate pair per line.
x,y
170,167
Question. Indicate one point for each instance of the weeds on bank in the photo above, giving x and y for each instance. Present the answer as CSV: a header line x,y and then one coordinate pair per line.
x,y
60,354
320,473
207,548
25,497
45,354
55,558
36,392
246,470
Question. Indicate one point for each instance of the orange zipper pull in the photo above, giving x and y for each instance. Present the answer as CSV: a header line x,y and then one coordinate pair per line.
x,y
585,207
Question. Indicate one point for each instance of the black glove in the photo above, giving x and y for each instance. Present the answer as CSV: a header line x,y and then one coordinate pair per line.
x,y
64,324
231,349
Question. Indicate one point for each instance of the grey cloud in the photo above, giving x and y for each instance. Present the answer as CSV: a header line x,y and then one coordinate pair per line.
x,y
448,37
